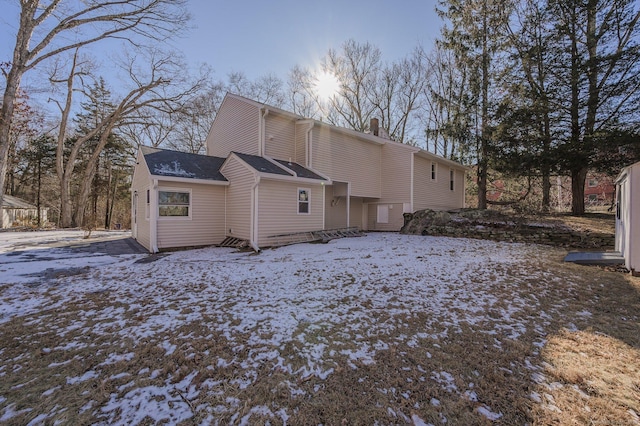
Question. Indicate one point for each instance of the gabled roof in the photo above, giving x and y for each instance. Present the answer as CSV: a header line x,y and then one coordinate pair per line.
x,y
278,167
299,170
164,162
262,165
10,202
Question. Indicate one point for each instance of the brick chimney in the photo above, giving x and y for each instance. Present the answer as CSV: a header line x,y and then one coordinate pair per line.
x,y
374,126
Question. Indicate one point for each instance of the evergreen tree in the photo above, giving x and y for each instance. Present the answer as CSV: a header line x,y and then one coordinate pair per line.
x,y
601,47
473,34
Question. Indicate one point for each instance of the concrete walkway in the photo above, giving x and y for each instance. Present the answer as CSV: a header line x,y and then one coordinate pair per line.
x,y
595,258
112,247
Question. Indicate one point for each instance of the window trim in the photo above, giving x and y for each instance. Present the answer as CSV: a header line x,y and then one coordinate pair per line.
x,y
178,190
300,202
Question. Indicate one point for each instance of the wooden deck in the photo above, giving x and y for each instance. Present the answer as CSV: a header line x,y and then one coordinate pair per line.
x,y
321,236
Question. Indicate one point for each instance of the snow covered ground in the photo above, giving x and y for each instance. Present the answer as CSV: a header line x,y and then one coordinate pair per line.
x,y
307,312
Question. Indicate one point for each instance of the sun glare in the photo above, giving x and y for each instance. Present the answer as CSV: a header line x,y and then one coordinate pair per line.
x,y
327,85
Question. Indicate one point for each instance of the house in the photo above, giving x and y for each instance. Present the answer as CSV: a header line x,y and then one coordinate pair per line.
x,y
17,212
599,189
628,217
269,173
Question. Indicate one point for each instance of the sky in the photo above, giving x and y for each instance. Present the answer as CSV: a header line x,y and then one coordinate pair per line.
x,y
272,36
258,38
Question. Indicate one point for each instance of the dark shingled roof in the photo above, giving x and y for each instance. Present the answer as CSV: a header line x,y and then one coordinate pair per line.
x,y
184,165
301,171
262,164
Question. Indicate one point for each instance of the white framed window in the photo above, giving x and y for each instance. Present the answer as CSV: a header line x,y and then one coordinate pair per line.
x,y
304,201
383,213
434,170
174,203
451,179
593,183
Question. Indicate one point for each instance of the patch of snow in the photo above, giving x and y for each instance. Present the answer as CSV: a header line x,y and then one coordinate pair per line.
x,y
486,411
417,421
50,391
325,300
91,374
173,169
446,380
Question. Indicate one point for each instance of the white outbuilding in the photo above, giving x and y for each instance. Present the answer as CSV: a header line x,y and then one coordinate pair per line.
x,y
628,216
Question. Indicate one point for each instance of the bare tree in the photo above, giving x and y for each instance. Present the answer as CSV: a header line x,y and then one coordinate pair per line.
x,y
193,120
398,96
49,28
357,67
303,99
156,88
268,89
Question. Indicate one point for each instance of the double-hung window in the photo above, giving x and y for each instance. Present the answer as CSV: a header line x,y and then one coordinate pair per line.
x,y
174,203
304,196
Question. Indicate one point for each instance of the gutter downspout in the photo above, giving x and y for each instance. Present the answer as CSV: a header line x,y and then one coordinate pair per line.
x,y
262,130
153,217
254,216
308,139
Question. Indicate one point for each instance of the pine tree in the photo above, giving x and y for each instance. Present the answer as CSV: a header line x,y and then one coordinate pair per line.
x,y
474,37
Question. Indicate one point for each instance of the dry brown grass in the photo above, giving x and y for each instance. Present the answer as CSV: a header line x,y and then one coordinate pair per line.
x,y
604,223
588,371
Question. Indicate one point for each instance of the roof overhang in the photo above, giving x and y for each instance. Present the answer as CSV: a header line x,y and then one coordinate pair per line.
x,y
271,176
190,180
430,156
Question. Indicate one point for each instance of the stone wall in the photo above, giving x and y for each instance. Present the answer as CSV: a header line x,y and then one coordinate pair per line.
x,y
491,225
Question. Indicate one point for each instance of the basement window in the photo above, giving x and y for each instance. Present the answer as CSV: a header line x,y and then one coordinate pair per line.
x,y
174,203
304,200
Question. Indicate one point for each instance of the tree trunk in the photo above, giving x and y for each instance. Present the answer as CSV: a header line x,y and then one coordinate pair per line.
x,y
90,172
107,216
578,178
6,113
38,204
483,161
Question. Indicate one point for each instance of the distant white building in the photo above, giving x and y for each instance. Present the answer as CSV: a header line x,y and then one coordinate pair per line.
x,y
17,212
628,216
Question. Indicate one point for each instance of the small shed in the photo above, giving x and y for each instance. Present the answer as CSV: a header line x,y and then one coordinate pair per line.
x,y
628,216
17,212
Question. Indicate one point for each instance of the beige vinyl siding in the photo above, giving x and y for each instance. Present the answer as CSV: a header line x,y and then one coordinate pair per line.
x,y
435,194
355,213
278,209
206,224
241,181
335,209
301,143
395,219
396,174
280,134
141,182
347,159
235,128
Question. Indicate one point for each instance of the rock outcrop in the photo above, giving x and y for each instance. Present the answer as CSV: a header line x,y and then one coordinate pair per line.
x,y
493,225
